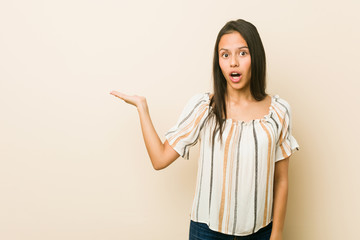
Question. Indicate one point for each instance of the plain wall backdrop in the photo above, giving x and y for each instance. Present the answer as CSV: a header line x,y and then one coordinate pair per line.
x,y
73,160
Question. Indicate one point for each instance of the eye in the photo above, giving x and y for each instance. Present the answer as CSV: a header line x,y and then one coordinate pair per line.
x,y
225,55
243,53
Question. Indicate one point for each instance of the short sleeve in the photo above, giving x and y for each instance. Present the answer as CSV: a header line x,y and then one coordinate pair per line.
x,y
185,133
287,143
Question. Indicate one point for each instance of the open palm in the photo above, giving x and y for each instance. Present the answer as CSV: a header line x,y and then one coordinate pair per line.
x,y
133,100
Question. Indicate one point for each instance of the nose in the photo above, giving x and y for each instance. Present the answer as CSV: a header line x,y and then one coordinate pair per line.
x,y
234,61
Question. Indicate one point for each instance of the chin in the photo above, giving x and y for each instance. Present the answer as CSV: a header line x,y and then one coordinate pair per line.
x,y
237,86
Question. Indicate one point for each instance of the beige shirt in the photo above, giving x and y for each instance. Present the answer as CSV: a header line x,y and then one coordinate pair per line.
x,y
234,189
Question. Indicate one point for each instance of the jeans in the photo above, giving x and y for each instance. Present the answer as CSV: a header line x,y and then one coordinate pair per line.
x,y
201,231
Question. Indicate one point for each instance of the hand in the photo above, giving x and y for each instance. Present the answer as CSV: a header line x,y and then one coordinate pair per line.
x,y
276,236
135,100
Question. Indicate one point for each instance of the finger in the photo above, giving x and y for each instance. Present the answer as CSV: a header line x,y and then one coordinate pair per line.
x,y
118,94
115,93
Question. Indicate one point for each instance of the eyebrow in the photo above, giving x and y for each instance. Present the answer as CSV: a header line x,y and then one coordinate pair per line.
x,y
238,48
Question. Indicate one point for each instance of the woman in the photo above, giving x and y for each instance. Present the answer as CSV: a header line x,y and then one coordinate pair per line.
x,y
242,185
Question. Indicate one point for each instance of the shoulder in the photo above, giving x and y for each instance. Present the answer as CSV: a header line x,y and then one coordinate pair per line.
x,y
199,98
282,110
282,105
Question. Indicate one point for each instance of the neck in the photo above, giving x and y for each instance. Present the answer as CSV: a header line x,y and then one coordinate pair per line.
x,y
234,97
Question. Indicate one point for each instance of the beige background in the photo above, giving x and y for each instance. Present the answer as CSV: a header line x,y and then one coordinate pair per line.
x,y
73,161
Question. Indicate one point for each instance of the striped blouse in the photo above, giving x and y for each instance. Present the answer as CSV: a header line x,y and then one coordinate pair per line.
x,y
234,189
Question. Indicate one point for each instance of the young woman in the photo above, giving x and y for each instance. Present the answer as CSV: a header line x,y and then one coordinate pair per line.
x,y
242,186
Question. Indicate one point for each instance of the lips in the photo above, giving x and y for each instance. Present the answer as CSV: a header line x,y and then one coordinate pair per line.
x,y
235,76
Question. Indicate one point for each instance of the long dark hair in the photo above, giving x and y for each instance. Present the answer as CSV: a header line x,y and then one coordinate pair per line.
x,y
258,70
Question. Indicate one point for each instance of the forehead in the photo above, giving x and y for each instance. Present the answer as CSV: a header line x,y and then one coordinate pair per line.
x,y
232,40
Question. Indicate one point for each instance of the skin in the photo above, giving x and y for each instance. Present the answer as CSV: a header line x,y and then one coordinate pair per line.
x,y
233,55
280,198
161,153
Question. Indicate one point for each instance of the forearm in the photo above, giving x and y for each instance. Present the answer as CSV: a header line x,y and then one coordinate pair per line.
x,y
279,207
154,146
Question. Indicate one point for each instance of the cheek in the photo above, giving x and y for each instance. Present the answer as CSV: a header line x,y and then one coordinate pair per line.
x,y
247,64
222,65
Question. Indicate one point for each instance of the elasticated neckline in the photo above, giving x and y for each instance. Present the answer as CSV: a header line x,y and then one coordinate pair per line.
x,y
264,118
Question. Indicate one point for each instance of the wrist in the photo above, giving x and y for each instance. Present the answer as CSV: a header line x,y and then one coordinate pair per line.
x,y
142,106
276,235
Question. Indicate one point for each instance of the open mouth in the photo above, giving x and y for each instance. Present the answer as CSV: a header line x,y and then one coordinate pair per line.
x,y
235,76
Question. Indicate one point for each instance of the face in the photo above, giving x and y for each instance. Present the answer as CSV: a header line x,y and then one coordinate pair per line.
x,y
235,61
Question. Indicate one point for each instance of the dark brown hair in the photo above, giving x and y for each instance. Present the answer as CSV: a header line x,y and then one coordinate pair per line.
x,y
258,70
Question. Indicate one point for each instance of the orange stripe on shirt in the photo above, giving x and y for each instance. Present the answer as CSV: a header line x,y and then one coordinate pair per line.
x,y
231,177
201,107
267,172
197,120
282,141
284,153
226,150
283,129
279,113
